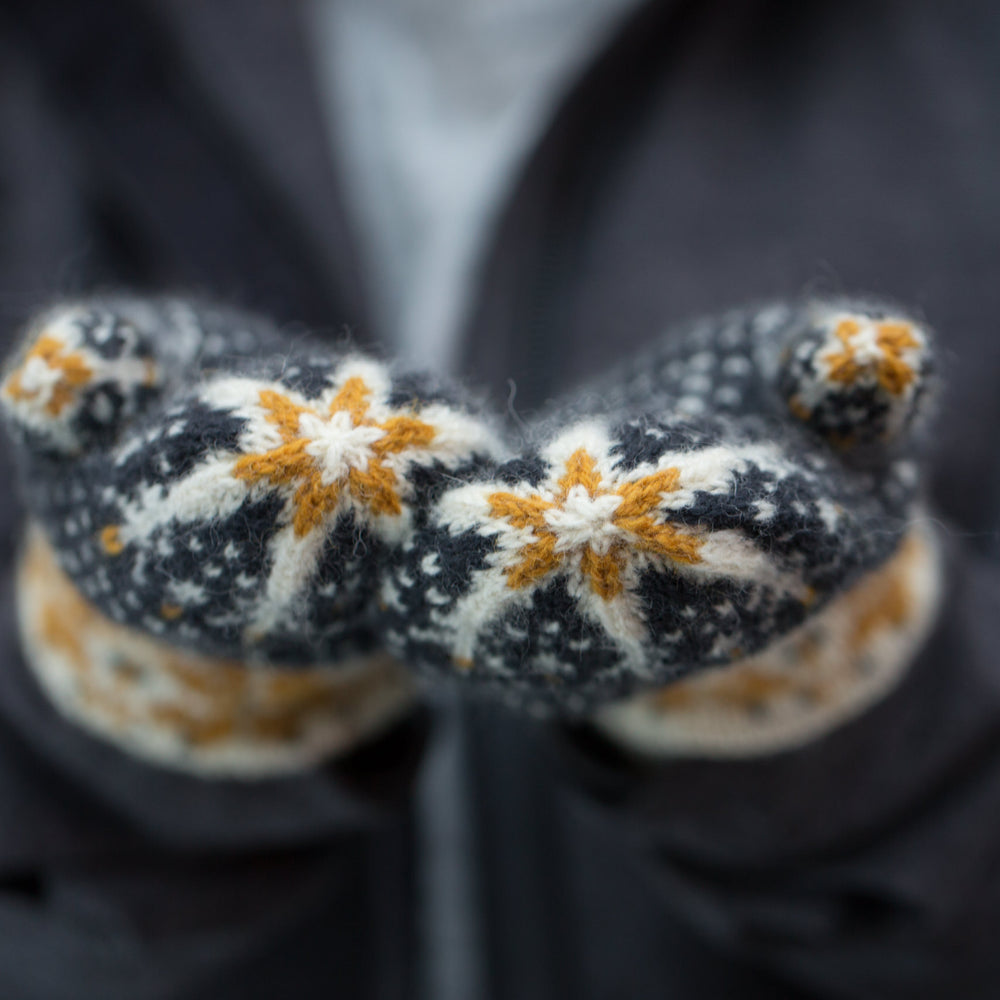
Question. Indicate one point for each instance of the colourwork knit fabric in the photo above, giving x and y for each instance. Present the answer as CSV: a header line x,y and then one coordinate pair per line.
x,y
244,494
686,512
223,487
837,663
211,716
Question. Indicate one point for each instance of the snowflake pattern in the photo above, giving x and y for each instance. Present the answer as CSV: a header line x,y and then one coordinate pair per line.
x,y
876,349
588,535
324,453
337,464
77,379
50,376
585,521
857,377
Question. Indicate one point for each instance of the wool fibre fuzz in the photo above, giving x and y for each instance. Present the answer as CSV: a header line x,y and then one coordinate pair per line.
x,y
205,479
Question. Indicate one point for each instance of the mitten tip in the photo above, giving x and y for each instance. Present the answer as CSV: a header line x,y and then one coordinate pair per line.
x,y
81,370
857,375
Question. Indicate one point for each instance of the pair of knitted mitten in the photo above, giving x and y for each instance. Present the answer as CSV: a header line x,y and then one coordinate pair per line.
x,y
274,517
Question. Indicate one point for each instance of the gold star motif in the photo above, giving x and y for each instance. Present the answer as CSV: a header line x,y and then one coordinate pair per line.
x,y
73,373
296,459
891,338
628,525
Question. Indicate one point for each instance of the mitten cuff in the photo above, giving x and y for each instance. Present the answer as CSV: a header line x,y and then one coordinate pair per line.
x,y
211,716
843,660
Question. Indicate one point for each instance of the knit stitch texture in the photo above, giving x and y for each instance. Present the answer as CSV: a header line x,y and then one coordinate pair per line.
x,y
229,490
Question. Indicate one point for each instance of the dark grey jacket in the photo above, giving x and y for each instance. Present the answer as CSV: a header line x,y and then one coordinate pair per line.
x,y
713,153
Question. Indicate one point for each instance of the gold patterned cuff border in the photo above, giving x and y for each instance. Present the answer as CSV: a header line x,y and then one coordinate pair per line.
x,y
828,671
217,718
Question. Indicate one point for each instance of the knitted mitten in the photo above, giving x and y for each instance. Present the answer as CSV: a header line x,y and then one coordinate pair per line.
x,y
687,513
277,515
213,503
860,376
